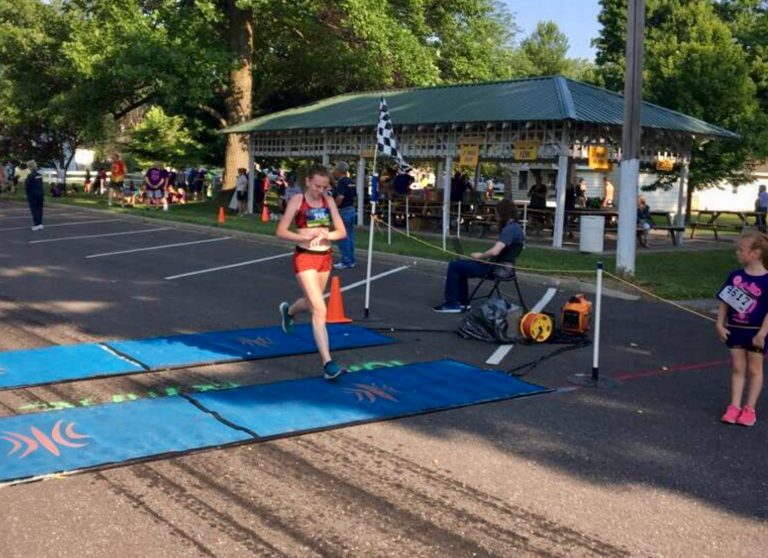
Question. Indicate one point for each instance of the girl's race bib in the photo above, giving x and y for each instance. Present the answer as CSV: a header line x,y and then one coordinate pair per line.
x,y
736,298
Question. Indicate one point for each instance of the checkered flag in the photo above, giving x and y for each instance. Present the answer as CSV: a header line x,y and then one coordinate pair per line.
x,y
385,137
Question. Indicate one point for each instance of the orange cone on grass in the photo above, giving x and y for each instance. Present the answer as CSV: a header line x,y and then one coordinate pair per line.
x,y
222,218
264,213
335,313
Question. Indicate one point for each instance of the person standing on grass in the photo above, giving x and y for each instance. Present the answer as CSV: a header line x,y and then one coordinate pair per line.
x,y
742,324
116,179
241,191
313,214
345,194
761,207
33,185
156,179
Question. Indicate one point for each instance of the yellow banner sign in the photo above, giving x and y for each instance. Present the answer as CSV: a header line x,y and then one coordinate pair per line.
x,y
469,155
598,158
471,140
665,165
527,150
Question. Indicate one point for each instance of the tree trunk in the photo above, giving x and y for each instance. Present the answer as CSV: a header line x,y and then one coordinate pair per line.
x,y
239,98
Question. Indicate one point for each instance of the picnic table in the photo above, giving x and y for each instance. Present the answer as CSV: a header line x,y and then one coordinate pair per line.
x,y
708,219
544,218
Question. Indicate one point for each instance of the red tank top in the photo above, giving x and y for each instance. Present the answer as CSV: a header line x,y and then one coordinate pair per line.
x,y
308,217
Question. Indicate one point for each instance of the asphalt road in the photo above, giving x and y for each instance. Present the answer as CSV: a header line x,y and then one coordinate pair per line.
x,y
641,469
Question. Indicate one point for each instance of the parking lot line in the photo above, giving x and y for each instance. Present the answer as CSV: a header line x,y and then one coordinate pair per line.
x,y
104,254
80,237
373,277
230,266
93,222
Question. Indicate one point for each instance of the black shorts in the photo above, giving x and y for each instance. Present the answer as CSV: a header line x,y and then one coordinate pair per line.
x,y
741,338
242,196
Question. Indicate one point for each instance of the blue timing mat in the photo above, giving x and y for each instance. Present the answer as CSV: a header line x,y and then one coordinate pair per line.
x,y
47,443
313,403
54,364
31,367
243,344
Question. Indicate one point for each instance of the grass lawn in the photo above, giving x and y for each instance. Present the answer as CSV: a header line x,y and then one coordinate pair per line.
x,y
678,275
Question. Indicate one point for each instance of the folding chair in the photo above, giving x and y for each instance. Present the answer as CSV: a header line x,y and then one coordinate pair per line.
x,y
503,273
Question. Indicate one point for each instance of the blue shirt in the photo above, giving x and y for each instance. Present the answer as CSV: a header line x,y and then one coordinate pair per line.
x,y
512,236
512,233
762,200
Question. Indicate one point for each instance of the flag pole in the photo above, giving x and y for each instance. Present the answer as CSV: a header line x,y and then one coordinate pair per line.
x,y
374,198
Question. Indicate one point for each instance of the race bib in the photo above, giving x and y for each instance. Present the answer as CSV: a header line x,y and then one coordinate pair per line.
x,y
736,298
318,217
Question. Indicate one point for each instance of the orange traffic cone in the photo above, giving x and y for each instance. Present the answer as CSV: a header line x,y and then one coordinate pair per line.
x,y
222,217
265,213
335,313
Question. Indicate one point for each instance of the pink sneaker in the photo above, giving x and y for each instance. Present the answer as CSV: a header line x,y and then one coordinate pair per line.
x,y
731,414
747,417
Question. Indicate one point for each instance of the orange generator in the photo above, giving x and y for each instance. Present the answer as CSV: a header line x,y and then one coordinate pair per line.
x,y
574,317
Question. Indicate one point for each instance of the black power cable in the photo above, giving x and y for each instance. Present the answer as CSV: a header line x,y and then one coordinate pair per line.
x,y
574,343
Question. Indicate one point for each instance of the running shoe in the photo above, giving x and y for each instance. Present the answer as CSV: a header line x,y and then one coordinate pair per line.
x,y
747,417
331,370
449,308
286,320
731,415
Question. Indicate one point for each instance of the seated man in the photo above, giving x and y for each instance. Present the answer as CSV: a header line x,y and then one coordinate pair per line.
x,y
506,248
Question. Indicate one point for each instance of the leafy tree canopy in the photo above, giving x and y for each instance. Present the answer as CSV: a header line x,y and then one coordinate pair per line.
x,y
162,138
693,64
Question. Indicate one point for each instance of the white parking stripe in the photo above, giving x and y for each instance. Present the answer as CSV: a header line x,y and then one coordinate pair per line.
x,y
65,224
544,300
240,264
499,354
28,215
379,276
142,231
157,247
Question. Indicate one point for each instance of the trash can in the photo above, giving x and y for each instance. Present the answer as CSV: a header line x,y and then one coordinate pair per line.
x,y
591,232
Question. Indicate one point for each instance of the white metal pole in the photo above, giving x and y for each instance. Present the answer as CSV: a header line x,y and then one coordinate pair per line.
x,y
682,200
525,218
560,187
374,196
447,198
458,223
251,173
598,306
360,186
407,218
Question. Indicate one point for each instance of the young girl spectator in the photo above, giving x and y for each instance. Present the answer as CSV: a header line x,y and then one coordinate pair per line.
x,y
742,323
314,213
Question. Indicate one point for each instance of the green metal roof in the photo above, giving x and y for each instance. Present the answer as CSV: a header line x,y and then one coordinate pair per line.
x,y
552,98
